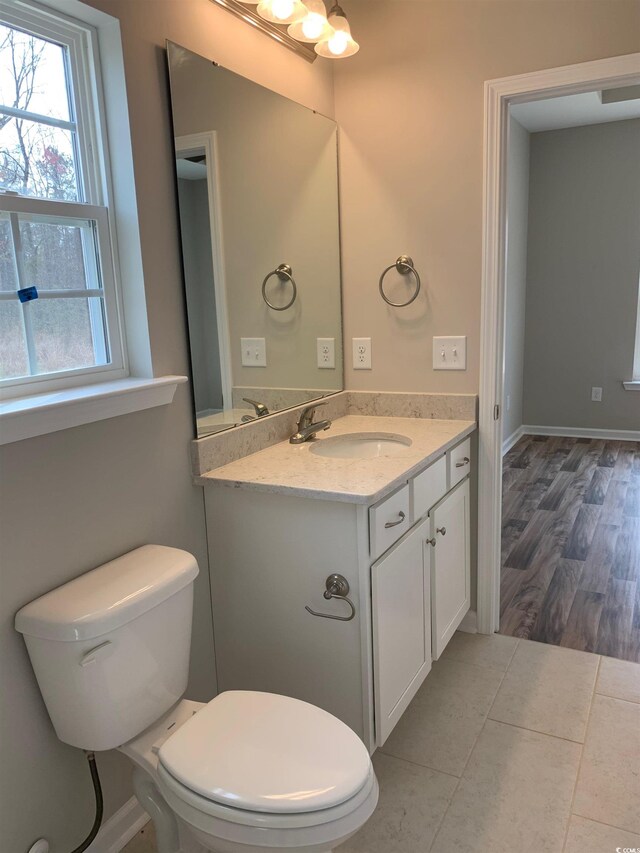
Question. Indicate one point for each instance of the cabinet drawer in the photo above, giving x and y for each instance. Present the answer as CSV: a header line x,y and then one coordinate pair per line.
x,y
459,462
388,521
427,488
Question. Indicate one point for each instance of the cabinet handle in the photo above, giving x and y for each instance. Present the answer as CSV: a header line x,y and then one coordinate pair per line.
x,y
442,530
396,523
464,462
431,541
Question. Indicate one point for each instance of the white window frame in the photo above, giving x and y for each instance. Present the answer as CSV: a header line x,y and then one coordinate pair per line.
x,y
95,192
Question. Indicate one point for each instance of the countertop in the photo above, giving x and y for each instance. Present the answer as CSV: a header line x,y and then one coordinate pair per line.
x,y
293,470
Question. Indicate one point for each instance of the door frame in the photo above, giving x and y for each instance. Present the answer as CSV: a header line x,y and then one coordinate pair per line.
x,y
207,143
499,94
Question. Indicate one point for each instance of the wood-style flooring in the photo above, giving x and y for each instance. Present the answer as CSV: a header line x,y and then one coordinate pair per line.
x,y
571,544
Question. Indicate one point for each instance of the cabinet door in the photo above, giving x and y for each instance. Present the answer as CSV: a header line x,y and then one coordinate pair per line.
x,y
401,627
450,566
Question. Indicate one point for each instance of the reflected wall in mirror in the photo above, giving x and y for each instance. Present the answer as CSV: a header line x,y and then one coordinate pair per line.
x,y
258,196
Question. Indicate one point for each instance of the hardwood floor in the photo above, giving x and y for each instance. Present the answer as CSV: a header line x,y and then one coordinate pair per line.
x,y
571,544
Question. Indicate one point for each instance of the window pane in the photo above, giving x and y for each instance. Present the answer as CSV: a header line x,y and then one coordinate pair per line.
x,y
38,66
14,361
7,265
53,255
37,160
68,333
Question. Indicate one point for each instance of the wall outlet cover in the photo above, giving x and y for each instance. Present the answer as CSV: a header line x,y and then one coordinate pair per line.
x,y
254,352
362,353
450,353
326,353
596,394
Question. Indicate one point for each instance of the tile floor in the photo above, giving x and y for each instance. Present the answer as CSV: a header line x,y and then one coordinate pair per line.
x,y
510,746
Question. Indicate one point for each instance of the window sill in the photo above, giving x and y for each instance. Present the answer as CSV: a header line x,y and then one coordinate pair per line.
x,y
44,413
633,385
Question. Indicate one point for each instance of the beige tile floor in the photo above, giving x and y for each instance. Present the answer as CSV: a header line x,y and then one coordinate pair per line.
x,y
510,746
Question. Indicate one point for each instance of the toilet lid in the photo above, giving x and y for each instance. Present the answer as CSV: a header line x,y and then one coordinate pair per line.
x,y
268,753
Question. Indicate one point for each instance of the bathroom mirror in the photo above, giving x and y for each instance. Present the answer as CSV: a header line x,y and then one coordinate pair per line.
x,y
257,178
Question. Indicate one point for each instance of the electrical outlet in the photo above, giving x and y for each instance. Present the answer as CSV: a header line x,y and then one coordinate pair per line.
x,y
254,352
596,394
362,353
450,353
326,352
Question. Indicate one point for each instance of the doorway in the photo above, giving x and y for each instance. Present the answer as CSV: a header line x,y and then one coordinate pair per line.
x,y
500,96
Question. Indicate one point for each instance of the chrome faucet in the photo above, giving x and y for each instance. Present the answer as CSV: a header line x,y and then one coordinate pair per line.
x,y
260,409
306,426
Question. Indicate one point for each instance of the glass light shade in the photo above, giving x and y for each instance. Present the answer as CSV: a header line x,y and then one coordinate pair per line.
x,y
314,26
340,43
282,11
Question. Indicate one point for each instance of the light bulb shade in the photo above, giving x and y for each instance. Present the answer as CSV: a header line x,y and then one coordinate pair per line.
x,y
340,43
314,26
282,11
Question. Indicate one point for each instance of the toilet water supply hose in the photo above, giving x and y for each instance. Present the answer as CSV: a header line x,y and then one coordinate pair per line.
x,y
97,789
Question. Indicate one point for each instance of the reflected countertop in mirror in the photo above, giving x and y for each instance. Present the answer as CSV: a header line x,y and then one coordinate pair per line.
x,y
257,178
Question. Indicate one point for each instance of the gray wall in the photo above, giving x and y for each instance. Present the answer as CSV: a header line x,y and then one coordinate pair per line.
x,y
516,276
73,499
582,276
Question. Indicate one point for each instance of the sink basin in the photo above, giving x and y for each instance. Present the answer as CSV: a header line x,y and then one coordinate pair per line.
x,y
361,445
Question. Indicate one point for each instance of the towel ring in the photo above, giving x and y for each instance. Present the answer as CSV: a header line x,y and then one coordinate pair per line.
x,y
284,273
404,265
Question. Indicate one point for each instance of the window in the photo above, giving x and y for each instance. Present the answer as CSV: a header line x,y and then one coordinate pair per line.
x,y
60,322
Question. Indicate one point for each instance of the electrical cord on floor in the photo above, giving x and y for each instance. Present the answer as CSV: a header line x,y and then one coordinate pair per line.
x,y
95,778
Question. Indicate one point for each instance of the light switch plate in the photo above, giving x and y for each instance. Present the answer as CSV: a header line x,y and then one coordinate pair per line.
x,y
450,353
326,352
254,352
361,353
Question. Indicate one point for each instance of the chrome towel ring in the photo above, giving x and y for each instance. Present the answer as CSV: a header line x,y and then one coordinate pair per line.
x,y
404,265
284,273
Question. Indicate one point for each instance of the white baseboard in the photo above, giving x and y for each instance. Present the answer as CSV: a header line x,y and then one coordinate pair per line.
x,y
512,440
470,623
116,832
581,432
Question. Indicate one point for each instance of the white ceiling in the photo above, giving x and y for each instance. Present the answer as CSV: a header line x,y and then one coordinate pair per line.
x,y
572,111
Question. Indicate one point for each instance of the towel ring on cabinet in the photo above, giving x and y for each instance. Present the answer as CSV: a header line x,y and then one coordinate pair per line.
x,y
404,265
284,273
337,586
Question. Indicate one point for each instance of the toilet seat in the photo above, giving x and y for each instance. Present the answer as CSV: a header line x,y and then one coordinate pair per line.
x,y
310,788
262,752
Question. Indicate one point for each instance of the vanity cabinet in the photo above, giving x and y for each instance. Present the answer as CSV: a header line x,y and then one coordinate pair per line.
x,y
450,565
405,559
401,609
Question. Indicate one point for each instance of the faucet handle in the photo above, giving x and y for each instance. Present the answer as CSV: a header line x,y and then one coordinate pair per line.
x,y
306,417
260,408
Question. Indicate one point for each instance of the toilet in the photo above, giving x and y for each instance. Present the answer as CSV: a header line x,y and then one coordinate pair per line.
x,y
246,772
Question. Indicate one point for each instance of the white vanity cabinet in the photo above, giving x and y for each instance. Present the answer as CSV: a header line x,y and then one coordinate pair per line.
x,y
450,565
401,609
271,553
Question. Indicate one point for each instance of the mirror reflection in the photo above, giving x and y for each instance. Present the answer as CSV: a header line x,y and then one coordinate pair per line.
x,y
257,182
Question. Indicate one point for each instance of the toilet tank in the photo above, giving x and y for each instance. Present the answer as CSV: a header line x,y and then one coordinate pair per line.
x,y
110,649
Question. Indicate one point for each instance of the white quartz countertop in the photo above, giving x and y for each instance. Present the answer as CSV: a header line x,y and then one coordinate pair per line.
x,y
293,470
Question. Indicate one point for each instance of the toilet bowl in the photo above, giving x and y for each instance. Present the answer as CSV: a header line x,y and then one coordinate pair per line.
x,y
255,771
248,771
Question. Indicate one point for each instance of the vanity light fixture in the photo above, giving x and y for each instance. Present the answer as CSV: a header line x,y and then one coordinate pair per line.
x,y
282,11
314,27
303,26
340,43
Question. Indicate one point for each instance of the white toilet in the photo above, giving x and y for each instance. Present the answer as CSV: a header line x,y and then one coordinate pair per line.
x,y
246,772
